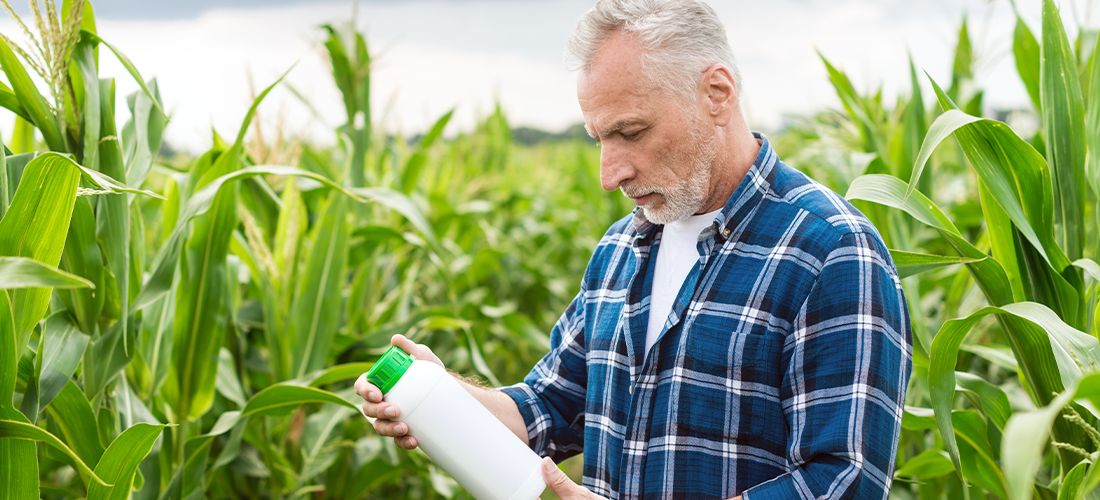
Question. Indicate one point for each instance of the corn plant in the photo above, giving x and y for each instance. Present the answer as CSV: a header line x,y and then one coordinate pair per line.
x,y
1034,267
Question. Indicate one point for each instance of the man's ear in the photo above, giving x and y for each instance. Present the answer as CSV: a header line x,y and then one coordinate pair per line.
x,y
721,92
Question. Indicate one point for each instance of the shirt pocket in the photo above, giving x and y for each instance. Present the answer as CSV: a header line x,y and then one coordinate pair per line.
x,y
732,381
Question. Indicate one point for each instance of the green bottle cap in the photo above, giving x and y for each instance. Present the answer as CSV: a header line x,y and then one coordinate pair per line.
x,y
389,369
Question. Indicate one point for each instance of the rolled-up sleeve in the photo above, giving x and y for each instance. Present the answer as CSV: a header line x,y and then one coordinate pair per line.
x,y
844,385
551,397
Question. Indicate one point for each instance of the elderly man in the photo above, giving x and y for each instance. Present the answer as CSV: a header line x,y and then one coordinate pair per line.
x,y
743,333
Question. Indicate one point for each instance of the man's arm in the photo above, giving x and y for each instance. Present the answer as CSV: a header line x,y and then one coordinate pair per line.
x,y
844,388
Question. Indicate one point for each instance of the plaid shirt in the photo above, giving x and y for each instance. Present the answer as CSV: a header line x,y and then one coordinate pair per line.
x,y
780,372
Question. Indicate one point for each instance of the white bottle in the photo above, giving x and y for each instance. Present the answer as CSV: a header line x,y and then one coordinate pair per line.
x,y
457,431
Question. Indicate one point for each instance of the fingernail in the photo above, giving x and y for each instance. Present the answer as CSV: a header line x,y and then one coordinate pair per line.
x,y
391,412
372,396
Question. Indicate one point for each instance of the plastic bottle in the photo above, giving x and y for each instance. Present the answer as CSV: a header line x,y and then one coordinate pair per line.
x,y
457,431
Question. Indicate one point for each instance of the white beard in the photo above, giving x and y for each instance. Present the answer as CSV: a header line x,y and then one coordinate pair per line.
x,y
688,196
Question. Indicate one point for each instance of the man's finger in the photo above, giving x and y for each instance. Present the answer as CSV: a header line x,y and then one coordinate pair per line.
x,y
559,483
402,342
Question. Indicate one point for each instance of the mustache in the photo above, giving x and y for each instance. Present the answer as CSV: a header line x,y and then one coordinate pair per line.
x,y
638,190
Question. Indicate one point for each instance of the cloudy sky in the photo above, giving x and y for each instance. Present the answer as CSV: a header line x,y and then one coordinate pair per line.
x,y
434,55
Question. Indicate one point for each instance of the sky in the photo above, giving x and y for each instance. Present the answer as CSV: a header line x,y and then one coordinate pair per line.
x,y
431,56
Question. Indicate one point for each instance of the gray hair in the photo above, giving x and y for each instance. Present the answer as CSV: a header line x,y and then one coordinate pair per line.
x,y
681,38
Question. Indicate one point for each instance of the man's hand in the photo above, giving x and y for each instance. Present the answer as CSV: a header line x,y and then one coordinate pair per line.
x,y
383,412
561,485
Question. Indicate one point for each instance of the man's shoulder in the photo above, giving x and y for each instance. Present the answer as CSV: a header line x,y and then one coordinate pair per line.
x,y
817,210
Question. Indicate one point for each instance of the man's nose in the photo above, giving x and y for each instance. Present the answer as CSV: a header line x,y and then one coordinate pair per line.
x,y
614,168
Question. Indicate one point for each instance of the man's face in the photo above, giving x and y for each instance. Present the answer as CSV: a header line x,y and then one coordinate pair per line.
x,y
656,149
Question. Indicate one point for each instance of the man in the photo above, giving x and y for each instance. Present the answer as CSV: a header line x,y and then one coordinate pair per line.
x,y
743,333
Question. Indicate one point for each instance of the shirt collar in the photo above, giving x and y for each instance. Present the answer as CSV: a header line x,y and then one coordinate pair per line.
x,y
748,194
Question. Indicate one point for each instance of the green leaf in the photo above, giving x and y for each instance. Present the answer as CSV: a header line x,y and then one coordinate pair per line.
x,y
59,354
35,227
979,462
18,460
165,262
411,173
1092,125
890,191
277,399
84,57
16,430
21,272
113,213
333,374
1072,483
315,312
73,415
988,398
1026,434
228,383
35,105
909,263
129,68
1026,49
83,257
1064,126
121,460
1070,353
927,465
320,440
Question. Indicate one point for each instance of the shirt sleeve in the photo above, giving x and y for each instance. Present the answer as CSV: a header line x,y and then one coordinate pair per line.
x,y
551,397
843,390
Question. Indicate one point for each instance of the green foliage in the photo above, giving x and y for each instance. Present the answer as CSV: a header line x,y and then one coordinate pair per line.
x,y
1015,342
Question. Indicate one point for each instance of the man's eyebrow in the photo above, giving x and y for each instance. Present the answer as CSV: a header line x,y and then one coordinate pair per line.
x,y
617,126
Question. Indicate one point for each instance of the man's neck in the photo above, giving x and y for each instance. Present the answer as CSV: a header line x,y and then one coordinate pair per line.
x,y
728,171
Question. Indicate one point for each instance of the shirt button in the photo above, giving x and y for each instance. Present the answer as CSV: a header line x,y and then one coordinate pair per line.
x,y
726,232
630,390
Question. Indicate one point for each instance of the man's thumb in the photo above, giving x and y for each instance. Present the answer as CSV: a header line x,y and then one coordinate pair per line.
x,y
556,480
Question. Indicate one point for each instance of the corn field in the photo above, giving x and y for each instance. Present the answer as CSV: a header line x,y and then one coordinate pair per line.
x,y
176,328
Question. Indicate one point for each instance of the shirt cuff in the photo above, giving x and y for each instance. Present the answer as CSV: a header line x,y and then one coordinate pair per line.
x,y
780,488
535,417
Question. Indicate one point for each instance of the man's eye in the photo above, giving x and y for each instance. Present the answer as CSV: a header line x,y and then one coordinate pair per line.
x,y
632,136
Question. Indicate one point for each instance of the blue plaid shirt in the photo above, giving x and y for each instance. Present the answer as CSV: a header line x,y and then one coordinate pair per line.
x,y
780,372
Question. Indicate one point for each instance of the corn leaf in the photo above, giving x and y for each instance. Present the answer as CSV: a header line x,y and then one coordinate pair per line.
x,y
890,191
979,458
106,358
316,308
9,101
411,173
928,464
228,383
21,272
1026,50
143,133
59,354
1056,355
73,414
84,57
321,441
1092,127
989,399
1064,128
333,374
279,398
83,257
13,430
164,263
121,459
113,223
129,67
35,227
909,263
35,105
1026,434
18,459
1074,480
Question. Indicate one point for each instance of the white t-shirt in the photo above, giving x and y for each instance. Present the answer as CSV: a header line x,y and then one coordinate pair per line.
x,y
676,256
